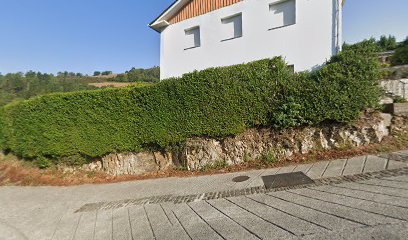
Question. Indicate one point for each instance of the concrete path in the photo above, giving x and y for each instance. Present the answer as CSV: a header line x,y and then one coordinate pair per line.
x,y
356,198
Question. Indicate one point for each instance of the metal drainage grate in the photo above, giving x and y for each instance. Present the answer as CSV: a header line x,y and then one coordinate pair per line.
x,y
286,180
240,179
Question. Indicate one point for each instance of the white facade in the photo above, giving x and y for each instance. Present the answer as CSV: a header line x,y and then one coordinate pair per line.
x,y
305,32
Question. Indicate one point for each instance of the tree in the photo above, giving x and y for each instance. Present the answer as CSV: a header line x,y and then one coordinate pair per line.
x,y
401,56
405,43
16,86
121,78
387,43
106,73
97,73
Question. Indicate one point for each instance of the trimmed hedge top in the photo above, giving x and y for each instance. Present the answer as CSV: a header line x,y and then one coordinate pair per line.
x,y
216,102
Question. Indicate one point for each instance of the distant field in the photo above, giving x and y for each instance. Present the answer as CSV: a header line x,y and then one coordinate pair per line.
x,y
106,76
110,84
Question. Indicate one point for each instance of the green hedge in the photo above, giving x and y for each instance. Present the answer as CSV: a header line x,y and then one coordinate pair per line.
x,y
215,102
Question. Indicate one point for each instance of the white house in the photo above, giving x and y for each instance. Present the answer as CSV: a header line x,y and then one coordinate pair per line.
x,y
198,34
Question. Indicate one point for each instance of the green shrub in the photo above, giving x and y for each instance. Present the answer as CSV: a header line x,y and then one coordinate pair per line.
x,y
74,160
106,73
338,92
214,166
399,99
42,162
216,102
387,43
269,157
400,56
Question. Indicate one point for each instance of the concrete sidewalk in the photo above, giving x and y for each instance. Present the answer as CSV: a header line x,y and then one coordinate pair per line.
x,y
374,202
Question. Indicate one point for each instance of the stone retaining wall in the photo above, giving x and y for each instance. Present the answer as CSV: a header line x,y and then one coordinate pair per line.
x,y
400,109
198,153
396,87
396,72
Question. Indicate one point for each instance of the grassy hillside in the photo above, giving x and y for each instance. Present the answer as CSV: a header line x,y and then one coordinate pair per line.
x,y
20,86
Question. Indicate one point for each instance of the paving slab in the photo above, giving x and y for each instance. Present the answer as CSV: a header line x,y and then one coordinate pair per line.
x,y
389,211
354,166
213,183
392,164
335,168
395,156
351,214
67,227
251,182
86,226
9,232
318,169
324,220
303,168
402,179
365,195
374,164
292,225
195,225
377,189
403,152
388,184
260,227
103,225
140,226
120,224
222,223
258,181
384,232
287,169
160,224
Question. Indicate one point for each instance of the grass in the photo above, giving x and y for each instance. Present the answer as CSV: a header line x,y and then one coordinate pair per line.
x,y
215,166
269,157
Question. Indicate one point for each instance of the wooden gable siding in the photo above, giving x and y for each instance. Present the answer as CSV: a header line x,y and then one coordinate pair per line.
x,y
199,7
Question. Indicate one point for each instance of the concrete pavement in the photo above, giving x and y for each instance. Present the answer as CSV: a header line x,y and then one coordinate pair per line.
x,y
356,198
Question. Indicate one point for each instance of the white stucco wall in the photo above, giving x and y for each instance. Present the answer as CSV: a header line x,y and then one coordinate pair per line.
x,y
307,44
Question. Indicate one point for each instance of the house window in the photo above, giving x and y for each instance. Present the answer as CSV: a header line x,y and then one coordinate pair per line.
x,y
232,27
192,38
283,13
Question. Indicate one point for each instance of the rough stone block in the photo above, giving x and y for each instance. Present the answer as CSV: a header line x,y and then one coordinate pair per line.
x,y
400,109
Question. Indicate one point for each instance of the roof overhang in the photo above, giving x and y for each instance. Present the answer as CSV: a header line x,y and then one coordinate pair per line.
x,y
161,22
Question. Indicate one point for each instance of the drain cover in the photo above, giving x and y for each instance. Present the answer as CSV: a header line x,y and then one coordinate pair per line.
x,y
286,180
240,179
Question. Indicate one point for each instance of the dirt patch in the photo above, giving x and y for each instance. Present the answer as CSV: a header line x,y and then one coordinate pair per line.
x,y
110,84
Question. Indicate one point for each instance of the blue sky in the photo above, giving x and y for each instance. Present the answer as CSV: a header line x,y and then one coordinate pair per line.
x,y
88,35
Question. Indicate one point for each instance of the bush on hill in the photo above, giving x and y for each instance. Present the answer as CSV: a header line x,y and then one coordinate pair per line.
x,y
17,86
216,102
387,43
400,57
139,75
401,54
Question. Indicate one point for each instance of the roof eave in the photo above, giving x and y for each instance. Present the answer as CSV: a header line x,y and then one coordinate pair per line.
x,y
159,23
159,26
